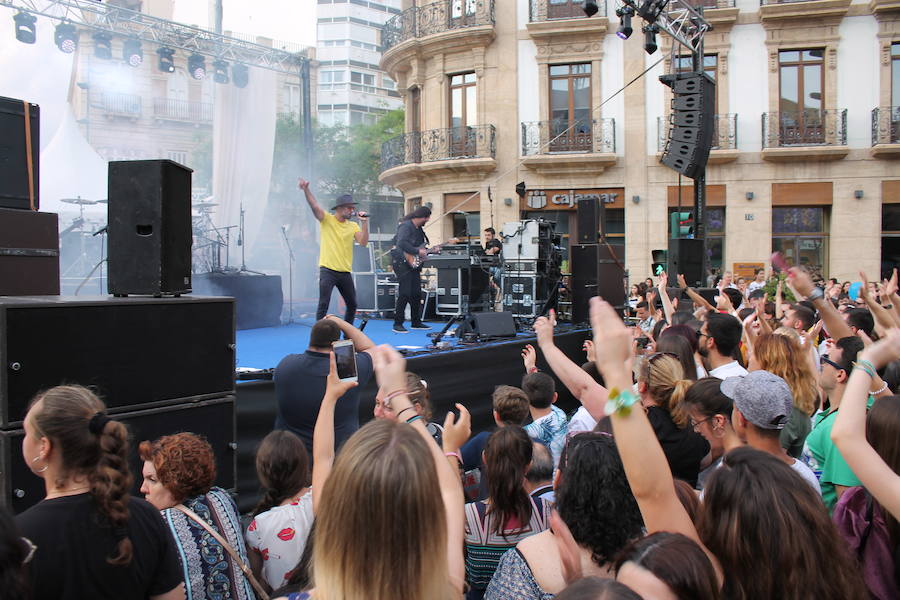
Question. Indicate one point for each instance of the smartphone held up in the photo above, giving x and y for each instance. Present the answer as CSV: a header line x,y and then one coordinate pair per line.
x,y
345,360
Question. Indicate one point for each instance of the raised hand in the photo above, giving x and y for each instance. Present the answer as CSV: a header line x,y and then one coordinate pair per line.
x,y
456,431
588,348
302,184
390,368
612,344
335,388
529,357
883,351
681,282
663,280
801,281
543,328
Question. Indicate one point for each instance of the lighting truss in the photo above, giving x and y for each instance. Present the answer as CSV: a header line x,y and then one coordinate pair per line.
x,y
122,22
678,18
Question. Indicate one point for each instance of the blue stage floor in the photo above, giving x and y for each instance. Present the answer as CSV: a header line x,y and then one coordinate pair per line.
x,y
263,348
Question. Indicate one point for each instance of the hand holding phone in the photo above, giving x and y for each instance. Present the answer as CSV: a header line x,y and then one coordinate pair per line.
x,y
345,360
778,261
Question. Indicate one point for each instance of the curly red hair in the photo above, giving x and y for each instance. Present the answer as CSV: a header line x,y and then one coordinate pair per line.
x,y
184,463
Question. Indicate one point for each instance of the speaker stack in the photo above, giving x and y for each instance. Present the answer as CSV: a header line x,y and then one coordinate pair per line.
x,y
691,123
597,266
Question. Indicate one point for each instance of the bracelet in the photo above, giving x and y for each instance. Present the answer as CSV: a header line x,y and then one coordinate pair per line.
x,y
387,399
456,454
620,402
405,409
533,370
410,420
865,368
884,387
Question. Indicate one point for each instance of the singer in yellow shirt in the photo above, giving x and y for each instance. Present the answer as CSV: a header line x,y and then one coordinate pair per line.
x,y
338,233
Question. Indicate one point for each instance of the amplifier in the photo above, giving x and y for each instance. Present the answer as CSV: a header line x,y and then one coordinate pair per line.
x,y
134,351
213,419
29,252
386,298
523,266
525,295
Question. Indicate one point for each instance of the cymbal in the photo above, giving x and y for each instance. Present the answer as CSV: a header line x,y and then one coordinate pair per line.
x,y
204,204
104,201
80,201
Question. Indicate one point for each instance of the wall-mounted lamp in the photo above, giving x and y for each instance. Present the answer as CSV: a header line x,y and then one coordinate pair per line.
x,y
749,195
858,194
636,199
507,201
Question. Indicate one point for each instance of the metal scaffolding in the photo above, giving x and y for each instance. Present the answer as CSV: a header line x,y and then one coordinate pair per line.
x,y
679,18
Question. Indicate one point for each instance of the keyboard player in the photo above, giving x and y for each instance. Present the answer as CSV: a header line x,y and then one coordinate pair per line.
x,y
493,247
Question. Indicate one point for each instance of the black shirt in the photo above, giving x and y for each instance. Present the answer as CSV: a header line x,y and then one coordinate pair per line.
x,y
74,540
410,238
494,243
300,382
683,448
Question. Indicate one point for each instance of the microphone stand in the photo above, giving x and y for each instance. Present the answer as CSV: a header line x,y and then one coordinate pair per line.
x,y
437,337
287,243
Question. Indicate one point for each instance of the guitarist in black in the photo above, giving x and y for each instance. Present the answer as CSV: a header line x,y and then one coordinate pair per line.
x,y
410,244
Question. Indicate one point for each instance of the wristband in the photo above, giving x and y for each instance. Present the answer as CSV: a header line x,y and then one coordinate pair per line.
x,y
883,388
405,409
620,402
868,366
456,454
865,369
410,420
533,370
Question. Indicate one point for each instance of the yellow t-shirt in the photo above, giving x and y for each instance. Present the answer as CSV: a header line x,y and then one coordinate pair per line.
x,y
336,245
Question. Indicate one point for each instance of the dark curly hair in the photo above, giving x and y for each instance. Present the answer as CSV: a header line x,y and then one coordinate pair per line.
x,y
593,497
184,463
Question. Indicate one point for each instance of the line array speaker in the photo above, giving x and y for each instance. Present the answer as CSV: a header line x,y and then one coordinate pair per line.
x,y
691,124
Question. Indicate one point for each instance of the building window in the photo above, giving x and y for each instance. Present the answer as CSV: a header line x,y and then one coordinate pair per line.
x,y
388,83
467,227
363,78
801,82
460,9
890,238
463,114
895,74
570,108
291,99
799,233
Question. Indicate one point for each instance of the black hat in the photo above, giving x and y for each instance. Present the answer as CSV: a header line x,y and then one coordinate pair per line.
x,y
344,200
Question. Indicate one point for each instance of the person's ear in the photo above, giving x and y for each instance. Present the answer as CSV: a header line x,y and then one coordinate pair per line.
x,y
555,396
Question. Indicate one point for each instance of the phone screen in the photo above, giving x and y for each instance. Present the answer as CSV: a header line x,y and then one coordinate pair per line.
x,y
345,360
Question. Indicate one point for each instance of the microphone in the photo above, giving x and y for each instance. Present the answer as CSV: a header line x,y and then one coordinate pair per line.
x,y
363,214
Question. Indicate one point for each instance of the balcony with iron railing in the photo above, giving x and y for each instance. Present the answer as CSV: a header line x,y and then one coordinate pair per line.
x,y
886,132
117,104
724,137
561,146
465,150
716,12
550,10
805,135
444,16
773,10
169,109
564,19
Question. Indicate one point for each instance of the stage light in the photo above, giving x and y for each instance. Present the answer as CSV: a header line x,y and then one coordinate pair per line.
x,y
625,30
650,38
66,37
240,75
220,71
590,8
166,62
103,46
26,31
651,9
132,53
196,66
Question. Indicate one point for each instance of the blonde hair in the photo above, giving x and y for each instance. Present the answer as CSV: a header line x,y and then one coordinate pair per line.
x,y
781,355
381,531
667,385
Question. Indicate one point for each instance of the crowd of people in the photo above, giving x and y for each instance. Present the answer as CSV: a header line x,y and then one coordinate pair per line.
x,y
741,448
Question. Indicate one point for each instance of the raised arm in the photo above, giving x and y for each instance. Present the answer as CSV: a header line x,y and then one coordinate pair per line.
x,y
694,296
668,309
648,472
362,236
361,342
834,323
311,200
590,393
390,370
849,430
884,318
323,434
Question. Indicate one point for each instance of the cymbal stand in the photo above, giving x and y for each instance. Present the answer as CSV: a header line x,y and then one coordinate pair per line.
x,y
290,250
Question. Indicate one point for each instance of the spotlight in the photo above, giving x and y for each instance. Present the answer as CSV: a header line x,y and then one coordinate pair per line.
x,y
625,30
66,37
166,62
26,31
103,46
240,75
220,71
651,9
132,53
196,66
590,7
650,38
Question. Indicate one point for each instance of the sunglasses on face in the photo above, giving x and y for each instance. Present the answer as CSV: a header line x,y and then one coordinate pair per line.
x,y
824,360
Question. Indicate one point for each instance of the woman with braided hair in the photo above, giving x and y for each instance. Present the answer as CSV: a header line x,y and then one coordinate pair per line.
x,y
93,539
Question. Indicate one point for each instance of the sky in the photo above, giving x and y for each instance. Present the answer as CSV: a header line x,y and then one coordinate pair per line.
x,y
283,20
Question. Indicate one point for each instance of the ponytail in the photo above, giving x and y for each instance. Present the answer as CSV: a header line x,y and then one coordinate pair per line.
x,y
282,466
506,456
667,385
110,485
676,403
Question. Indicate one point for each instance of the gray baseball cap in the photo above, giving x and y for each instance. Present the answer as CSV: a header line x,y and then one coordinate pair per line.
x,y
762,397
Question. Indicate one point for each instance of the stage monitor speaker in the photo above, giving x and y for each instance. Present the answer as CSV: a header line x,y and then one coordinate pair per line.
x,y
692,122
686,258
488,325
590,219
597,270
134,351
15,137
212,419
363,258
149,228
29,253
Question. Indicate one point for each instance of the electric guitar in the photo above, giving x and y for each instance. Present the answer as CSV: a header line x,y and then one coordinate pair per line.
x,y
414,261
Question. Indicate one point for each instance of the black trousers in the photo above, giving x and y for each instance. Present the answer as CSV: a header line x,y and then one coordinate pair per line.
x,y
328,279
409,291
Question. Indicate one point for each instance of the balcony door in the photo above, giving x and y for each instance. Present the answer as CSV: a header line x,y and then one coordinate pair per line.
x,y
801,82
463,115
570,108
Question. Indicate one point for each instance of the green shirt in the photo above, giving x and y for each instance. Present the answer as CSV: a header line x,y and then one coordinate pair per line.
x,y
827,462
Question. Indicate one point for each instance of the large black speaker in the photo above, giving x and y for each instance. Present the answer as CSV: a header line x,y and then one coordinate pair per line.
x,y
134,351
591,219
597,270
213,419
691,123
686,258
258,299
29,252
149,227
19,185
488,325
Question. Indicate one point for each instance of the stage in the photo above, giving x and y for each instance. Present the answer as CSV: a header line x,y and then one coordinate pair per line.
x,y
464,373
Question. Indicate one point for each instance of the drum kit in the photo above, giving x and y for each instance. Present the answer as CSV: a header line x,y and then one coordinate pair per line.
x,y
82,246
209,239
